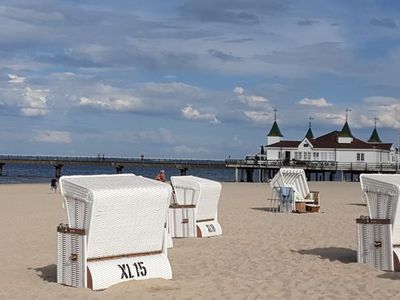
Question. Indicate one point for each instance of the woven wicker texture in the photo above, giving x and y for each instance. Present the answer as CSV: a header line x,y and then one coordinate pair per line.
x,y
207,198
70,271
293,178
182,222
122,214
382,193
375,246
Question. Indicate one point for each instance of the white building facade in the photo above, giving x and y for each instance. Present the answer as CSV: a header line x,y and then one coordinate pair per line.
x,y
334,147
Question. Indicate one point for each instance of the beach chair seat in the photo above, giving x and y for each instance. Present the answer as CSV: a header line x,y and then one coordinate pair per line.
x,y
304,200
116,230
194,212
379,232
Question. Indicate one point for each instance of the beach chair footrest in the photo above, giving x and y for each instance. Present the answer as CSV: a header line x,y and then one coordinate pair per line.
x,y
105,273
208,228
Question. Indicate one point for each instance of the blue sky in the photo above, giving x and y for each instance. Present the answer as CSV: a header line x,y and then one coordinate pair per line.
x,y
193,79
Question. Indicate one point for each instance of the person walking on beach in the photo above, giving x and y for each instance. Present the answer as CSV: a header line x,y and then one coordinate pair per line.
x,y
53,185
161,176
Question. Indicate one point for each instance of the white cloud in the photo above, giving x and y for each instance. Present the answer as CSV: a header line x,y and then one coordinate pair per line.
x,y
251,100
193,114
386,109
125,103
52,136
238,90
35,102
15,78
107,97
320,102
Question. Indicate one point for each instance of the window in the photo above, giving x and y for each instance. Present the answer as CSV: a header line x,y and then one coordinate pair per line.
x,y
360,156
316,155
307,155
305,145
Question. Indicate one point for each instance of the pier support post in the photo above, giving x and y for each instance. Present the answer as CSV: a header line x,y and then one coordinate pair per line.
x,y
183,170
118,169
236,174
57,173
241,175
249,175
1,168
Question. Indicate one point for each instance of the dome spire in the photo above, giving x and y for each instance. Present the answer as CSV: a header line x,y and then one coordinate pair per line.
x,y
375,136
310,134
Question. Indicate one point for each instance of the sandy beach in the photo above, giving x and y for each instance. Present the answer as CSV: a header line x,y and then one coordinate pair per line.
x,y
261,255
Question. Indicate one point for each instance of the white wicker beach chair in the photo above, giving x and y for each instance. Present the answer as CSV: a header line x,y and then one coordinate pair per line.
x,y
379,233
296,180
116,230
194,213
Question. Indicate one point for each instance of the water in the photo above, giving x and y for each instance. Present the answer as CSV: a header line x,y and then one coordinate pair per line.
x,y
32,173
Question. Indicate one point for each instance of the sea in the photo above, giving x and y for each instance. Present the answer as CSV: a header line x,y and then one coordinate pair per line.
x,y
38,173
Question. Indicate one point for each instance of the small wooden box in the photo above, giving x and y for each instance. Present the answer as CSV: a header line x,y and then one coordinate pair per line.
x,y
300,207
312,208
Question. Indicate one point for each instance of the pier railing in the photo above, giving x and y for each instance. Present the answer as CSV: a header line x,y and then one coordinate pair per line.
x,y
261,163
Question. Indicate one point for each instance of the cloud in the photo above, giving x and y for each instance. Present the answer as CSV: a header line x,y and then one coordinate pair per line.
x,y
193,114
307,22
223,56
386,109
251,100
238,90
125,103
35,102
107,97
384,22
320,102
52,136
15,78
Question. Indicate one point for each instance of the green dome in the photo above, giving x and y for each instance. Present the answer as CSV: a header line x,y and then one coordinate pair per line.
x,y
374,137
275,131
346,132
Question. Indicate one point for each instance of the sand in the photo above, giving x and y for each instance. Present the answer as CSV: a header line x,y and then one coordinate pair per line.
x,y
261,255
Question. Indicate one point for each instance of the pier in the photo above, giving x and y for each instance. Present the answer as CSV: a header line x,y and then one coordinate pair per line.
x,y
118,163
258,168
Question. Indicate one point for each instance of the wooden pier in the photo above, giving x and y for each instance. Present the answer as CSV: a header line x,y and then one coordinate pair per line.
x,y
254,167
118,163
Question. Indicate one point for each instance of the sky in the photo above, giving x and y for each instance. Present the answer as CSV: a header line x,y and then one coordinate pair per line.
x,y
193,79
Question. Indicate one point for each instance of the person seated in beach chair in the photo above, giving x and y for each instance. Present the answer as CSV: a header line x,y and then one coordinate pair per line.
x,y
160,176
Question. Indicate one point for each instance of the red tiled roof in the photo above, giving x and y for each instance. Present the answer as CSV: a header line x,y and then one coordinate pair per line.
x,y
330,140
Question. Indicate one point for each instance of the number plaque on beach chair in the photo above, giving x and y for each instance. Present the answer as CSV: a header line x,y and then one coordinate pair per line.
x,y
116,230
194,213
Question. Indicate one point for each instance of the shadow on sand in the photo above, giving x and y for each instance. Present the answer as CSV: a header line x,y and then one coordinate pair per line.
x,y
390,275
268,209
47,273
344,255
